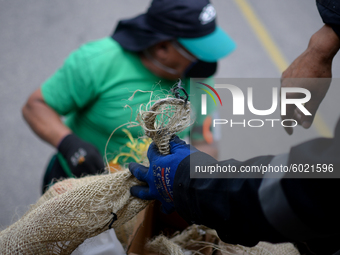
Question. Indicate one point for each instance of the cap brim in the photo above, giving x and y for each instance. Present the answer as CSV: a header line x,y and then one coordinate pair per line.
x,y
211,47
136,34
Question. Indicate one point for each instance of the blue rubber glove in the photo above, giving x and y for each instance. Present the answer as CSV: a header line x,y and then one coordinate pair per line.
x,y
161,173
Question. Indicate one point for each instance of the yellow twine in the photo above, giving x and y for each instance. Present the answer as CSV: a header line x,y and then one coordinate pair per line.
x,y
138,149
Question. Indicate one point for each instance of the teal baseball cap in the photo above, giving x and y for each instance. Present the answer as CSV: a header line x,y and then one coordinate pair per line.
x,y
211,47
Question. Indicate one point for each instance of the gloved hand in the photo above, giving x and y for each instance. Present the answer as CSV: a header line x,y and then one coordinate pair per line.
x,y
82,157
160,174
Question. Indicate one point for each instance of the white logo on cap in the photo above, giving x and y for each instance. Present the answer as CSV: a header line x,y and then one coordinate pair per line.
x,y
208,14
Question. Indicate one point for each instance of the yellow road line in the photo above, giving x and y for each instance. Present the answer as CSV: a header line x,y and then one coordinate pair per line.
x,y
275,54
263,36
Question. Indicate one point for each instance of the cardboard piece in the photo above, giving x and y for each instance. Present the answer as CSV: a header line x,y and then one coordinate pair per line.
x,y
151,222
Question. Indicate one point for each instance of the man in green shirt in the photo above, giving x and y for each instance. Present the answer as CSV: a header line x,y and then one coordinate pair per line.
x,y
173,39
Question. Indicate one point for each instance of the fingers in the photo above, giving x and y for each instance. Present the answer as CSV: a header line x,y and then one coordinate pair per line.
x,y
139,171
293,110
300,112
301,119
290,112
176,143
177,140
99,163
289,108
153,152
141,192
305,120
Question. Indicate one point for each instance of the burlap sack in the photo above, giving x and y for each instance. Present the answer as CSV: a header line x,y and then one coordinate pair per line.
x,y
60,221
76,209
204,241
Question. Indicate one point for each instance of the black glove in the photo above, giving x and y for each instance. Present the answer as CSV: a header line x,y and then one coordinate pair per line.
x,y
82,157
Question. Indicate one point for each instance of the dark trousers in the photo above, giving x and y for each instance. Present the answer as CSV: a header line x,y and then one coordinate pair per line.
x,y
54,172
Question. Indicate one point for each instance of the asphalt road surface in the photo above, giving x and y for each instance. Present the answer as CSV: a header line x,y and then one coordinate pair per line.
x,y
36,36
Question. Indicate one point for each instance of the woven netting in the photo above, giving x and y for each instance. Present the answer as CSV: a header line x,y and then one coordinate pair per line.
x,y
73,210
163,119
60,224
201,240
76,209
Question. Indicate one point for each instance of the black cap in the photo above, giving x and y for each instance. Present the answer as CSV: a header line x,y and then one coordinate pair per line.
x,y
176,19
181,18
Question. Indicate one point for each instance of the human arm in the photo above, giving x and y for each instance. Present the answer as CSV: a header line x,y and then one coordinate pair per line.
x,y
81,156
43,120
69,90
314,62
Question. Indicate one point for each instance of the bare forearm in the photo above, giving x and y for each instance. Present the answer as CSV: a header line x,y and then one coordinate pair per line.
x,y
314,62
43,120
324,44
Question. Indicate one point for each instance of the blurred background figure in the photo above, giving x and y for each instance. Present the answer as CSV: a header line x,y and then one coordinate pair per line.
x,y
172,40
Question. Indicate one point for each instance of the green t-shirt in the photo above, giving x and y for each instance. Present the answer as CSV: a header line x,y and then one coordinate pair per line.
x,y
92,89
